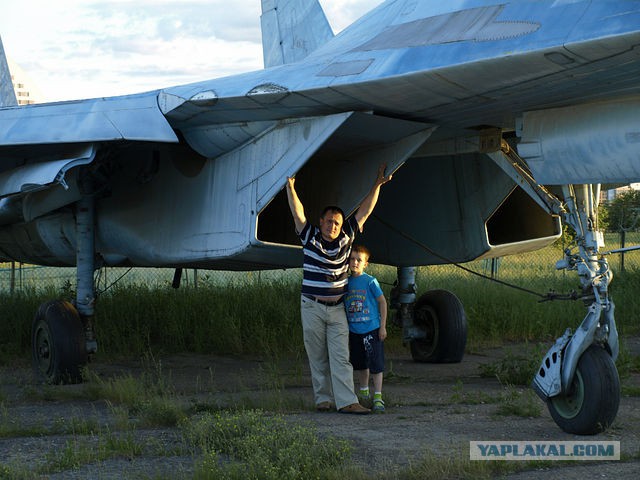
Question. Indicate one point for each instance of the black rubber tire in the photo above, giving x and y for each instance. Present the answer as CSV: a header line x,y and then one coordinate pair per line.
x,y
441,315
58,343
592,404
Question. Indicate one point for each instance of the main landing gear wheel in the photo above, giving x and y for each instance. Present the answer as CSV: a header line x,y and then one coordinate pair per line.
x,y
592,402
58,343
440,314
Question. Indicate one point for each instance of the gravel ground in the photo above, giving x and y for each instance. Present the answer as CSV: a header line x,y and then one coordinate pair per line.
x,y
431,410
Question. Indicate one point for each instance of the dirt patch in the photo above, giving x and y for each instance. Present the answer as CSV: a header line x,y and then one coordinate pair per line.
x,y
431,410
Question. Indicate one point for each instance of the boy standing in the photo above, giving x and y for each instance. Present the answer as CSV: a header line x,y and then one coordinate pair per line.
x,y
367,315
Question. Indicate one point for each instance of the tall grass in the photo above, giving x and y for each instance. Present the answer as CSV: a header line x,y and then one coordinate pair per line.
x,y
253,318
497,313
237,319
16,316
260,316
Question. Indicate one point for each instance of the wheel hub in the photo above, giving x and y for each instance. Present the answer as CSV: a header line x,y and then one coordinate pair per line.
x,y
43,350
569,405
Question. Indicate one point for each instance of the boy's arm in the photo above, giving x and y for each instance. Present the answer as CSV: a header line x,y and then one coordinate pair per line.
x,y
297,209
382,306
366,207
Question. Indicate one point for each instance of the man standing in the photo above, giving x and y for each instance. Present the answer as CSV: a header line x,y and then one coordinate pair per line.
x,y
324,323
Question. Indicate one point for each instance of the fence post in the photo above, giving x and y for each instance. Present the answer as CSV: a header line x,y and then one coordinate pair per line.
x,y
12,282
177,277
494,267
623,235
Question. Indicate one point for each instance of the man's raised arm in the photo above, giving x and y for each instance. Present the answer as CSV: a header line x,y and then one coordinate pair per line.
x,y
369,202
297,210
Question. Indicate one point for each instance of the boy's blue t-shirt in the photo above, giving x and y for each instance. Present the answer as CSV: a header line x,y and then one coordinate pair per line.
x,y
361,304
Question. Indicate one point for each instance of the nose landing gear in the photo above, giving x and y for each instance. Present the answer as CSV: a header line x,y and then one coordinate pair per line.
x,y
578,379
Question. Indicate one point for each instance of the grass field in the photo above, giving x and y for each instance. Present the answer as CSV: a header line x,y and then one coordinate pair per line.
x,y
257,314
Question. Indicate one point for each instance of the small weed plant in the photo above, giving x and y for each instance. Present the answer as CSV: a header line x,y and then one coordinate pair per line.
x,y
520,403
514,369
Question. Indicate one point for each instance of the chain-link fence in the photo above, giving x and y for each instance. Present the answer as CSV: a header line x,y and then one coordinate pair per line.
x,y
22,277
16,277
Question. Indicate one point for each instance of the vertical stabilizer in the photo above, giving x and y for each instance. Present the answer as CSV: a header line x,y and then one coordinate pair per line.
x,y
292,29
7,94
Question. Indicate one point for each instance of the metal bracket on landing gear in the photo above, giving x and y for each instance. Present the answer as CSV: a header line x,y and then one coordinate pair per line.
x,y
547,382
580,341
403,298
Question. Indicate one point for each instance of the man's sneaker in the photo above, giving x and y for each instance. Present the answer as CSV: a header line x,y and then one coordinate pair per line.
x,y
355,408
378,406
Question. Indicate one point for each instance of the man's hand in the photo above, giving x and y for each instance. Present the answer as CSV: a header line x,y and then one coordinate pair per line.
x,y
382,178
366,207
297,210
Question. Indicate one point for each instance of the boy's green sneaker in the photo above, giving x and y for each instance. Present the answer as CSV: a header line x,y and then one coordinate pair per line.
x,y
363,394
378,405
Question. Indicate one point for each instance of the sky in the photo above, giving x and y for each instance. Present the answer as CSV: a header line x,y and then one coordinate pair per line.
x,y
73,49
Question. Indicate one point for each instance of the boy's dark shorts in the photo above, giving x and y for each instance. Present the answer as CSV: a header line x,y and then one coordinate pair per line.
x,y
366,351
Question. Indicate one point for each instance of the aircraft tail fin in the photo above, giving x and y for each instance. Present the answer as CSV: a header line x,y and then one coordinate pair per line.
x,y
292,29
7,94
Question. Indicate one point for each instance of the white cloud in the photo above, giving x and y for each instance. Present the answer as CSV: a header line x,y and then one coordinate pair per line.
x,y
86,48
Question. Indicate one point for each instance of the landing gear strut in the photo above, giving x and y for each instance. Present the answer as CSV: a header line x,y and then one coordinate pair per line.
x,y
62,333
434,326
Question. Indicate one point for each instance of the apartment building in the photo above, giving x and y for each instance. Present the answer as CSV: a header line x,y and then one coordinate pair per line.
x,y
26,92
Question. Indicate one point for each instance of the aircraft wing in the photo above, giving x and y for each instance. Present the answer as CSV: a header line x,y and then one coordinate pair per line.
x,y
135,118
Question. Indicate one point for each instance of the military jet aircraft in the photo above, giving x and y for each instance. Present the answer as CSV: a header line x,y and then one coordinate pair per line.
x,y
499,119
